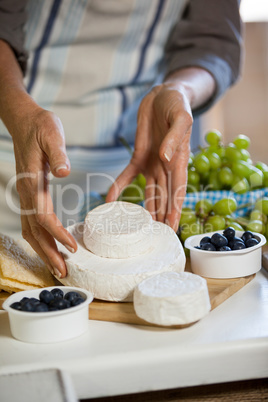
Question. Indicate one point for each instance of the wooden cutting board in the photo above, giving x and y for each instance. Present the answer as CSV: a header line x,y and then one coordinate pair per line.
x,y
219,291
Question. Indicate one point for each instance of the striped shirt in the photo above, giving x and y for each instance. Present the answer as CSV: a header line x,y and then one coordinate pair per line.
x,y
92,61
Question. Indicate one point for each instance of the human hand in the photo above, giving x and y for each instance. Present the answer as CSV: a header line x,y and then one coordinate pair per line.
x,y
161,152
39,147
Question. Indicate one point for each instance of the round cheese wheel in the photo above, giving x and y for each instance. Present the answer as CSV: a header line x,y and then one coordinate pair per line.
x,y
172,298
118,230
115,279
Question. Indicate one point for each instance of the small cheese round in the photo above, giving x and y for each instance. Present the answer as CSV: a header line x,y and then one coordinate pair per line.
x,y
172,298
115,279
118,230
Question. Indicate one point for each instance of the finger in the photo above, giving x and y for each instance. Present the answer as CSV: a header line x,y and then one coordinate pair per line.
x,y
39,238
54,227
125,178
178,191
27,235
49,247
150,196
161,196
175,136
45,216
173,219
53,144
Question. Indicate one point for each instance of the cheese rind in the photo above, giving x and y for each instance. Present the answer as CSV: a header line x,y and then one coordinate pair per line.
x,y
172,298
115,279
118,230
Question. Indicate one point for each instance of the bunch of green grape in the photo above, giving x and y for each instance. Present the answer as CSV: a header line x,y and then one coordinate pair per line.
x,y
209,217
230,167
257,219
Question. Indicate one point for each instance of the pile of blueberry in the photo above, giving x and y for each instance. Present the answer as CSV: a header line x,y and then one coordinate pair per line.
x,y
227,241
53,300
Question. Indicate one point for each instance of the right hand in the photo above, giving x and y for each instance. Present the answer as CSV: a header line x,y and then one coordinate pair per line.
x,y
39,147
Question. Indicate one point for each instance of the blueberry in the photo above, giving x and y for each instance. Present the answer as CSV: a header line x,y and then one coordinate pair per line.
x,y
57,293
46,296
219,240
24,299
49,301
77,301
71,296
34,301
204,240
238,245
16,305
68,303
198,247
224,248
41,307
233,241
208,247
247,235
229,233
251,242
59,303
27,306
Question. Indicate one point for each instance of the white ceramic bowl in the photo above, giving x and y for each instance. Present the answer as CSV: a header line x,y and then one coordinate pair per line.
x,y
225,264
51,326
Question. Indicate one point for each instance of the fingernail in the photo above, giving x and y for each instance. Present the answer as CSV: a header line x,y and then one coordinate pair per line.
x,y
61,167
72,250
167,157
168,153
57,273
51,270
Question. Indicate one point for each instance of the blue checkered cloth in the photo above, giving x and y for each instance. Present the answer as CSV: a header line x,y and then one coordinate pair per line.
x,y
245,202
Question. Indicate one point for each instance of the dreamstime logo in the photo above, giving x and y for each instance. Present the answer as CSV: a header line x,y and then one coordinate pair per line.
x,y
117,229
36,191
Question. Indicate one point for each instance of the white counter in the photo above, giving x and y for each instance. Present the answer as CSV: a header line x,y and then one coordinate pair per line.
x,y
230,344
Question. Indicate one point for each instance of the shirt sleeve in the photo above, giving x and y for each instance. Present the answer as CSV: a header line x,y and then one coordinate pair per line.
x,y
12,20
209,36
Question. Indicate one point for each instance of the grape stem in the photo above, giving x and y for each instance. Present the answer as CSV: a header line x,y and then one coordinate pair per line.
x,y
126,145
249,204
242,221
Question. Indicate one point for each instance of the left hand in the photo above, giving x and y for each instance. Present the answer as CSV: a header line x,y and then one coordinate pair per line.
x,y
161,152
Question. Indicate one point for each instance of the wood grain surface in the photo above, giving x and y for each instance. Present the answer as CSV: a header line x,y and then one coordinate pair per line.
x,y
219,291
